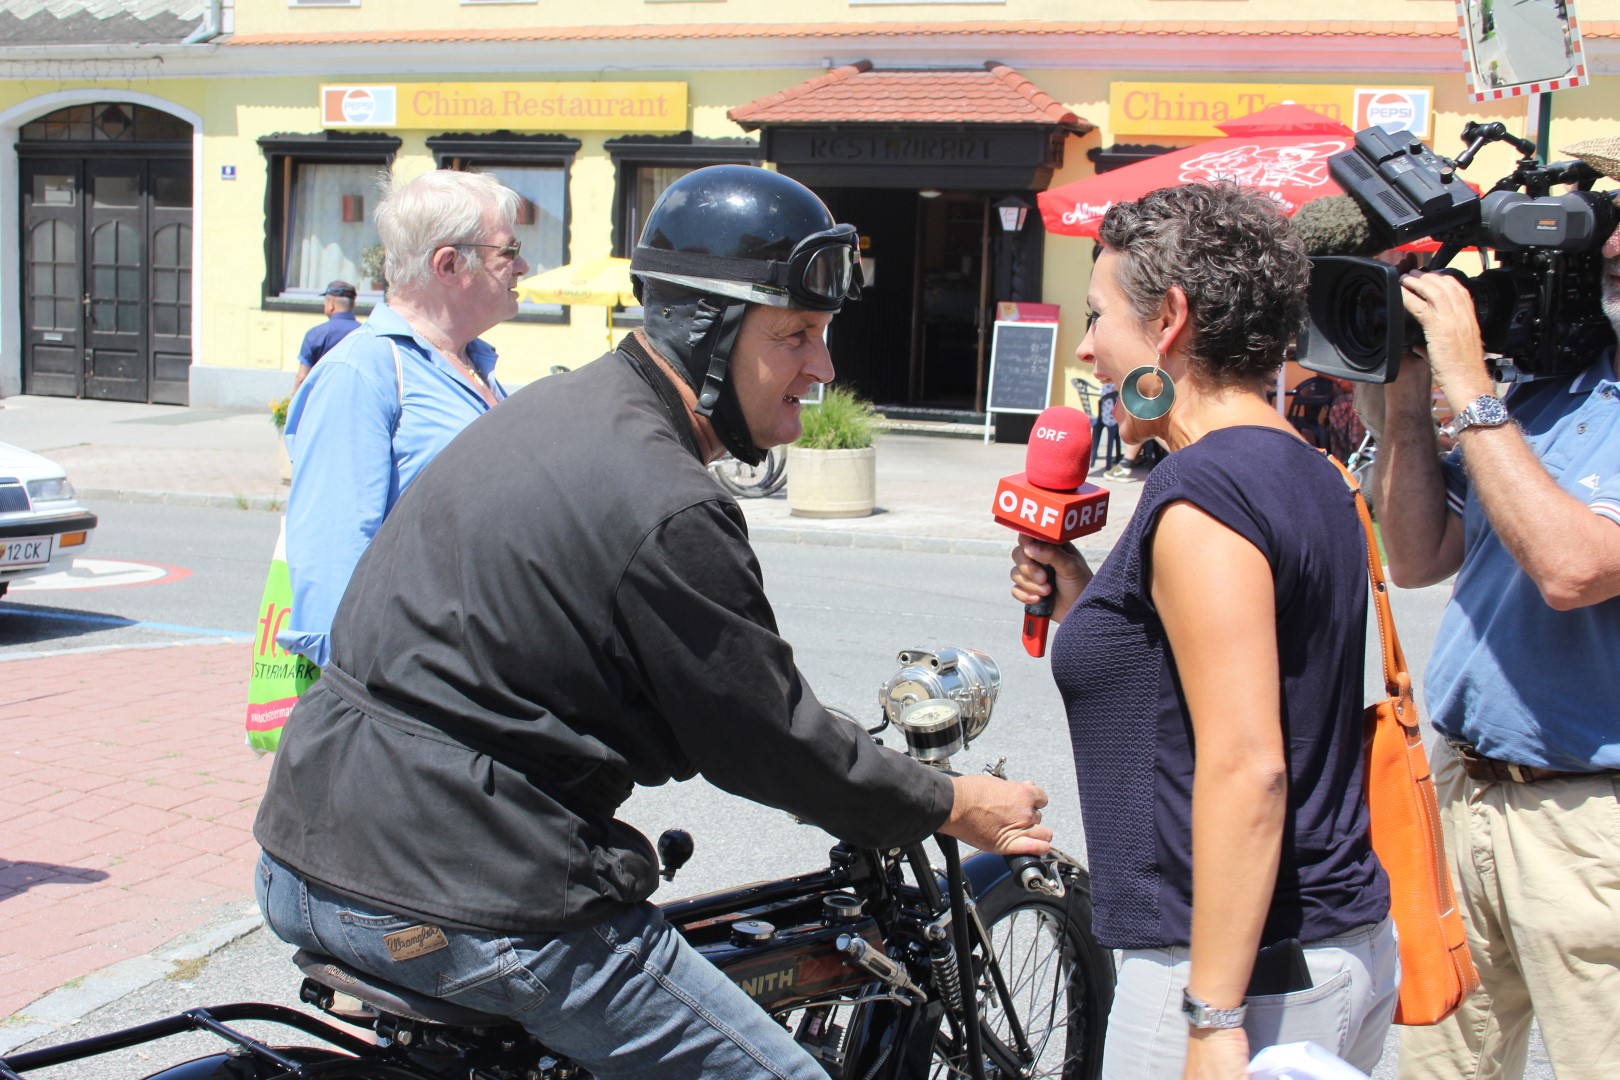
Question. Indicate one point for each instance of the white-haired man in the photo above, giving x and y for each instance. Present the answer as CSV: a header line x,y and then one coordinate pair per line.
x,y
391,395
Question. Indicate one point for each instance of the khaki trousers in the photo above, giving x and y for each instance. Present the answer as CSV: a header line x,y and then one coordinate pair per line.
x,y
1537,867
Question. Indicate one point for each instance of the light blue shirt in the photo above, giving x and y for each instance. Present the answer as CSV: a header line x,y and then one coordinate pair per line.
x,y
358,434
1520,681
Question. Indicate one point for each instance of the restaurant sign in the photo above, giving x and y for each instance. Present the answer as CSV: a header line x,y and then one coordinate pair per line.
x,y
503,106
1177,108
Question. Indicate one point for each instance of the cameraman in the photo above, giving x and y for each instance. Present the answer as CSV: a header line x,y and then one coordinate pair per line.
x,y
1524,680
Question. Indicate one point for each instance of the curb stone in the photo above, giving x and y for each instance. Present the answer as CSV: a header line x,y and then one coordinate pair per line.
x,y
186,498
62,1008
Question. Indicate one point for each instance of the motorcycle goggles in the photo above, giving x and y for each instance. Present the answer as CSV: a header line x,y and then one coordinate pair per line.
x,y
823,271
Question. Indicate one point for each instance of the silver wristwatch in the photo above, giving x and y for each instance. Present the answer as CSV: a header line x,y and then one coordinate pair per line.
x,y
1485,411
1201,1014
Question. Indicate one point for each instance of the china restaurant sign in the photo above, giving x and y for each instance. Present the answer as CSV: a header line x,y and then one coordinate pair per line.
x,y
507,106
1177,108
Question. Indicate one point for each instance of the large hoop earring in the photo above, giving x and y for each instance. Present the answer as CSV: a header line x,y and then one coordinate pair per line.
x,y
1144,408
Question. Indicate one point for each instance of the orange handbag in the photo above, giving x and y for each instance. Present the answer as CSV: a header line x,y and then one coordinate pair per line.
x,y
1437,971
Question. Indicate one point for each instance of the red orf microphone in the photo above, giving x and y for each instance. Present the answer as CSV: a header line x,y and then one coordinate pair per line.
x,y
1050,500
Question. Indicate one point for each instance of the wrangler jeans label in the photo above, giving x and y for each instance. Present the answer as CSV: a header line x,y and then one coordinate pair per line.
x,y
417,941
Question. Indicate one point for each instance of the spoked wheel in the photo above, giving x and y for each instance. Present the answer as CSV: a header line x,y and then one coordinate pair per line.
x,y
1059,986
751,481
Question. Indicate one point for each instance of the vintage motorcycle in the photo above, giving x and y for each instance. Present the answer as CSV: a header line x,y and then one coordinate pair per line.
x,y
883,965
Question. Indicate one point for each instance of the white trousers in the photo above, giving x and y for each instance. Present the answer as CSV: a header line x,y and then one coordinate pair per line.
x,y
1347,1009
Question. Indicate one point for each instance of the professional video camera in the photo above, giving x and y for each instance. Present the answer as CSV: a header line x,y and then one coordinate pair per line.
x,y
1539,311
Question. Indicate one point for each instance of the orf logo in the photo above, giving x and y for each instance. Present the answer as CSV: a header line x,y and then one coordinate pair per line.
x,y
1393,110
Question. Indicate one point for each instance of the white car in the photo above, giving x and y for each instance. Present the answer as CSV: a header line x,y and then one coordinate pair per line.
x,y
42,525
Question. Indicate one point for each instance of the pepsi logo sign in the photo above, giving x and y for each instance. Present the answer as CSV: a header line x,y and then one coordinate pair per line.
x,y
359,106
1394,109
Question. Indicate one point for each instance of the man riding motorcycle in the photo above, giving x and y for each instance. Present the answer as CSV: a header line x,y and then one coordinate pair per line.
x,y
563,606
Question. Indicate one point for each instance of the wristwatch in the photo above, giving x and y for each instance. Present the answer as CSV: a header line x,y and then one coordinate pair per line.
x,y
1485,411
1201,1014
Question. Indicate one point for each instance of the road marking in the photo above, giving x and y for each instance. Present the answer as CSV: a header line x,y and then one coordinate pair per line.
x,y
101,574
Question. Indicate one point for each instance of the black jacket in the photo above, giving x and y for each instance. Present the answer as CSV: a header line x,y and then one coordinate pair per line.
x,y
563,605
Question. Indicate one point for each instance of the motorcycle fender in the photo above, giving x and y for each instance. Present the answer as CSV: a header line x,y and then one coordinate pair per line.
x,y
984,872
227,1066
213,1067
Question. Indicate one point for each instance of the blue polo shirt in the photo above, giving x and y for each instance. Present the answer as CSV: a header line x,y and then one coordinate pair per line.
x,y
358,433
320,339
1522,682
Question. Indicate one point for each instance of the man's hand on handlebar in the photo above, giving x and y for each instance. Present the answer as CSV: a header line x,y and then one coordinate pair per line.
x,y
997,815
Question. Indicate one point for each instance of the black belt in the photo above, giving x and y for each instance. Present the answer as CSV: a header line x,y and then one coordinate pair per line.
x,y
1480,767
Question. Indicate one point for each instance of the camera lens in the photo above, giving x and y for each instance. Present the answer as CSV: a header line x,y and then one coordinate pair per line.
x,y
1361,321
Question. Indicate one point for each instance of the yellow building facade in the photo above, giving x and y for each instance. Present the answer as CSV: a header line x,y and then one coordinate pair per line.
x,y
175,206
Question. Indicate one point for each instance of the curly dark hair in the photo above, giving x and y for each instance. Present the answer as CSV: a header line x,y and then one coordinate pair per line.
x,y
1231,251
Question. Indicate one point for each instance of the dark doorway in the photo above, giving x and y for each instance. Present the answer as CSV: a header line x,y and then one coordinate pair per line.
x,y
106,251
871,338
953,250
913,338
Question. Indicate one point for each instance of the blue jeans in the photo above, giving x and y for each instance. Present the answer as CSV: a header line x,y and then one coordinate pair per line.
x,y
632,998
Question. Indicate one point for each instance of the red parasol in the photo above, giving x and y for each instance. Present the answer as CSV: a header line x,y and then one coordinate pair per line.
x,y
1285,119
1282,150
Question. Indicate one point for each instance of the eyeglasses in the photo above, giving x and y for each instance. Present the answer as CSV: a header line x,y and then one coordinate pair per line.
x,y
511,251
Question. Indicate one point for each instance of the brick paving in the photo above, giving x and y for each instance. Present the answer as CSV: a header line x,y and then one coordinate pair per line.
x,y
126,820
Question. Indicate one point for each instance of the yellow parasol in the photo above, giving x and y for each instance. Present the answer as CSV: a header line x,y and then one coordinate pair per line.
x,y
603,281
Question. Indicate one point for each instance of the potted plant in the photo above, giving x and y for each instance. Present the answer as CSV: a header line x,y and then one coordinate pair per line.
x,y
371,266
278,417
832,469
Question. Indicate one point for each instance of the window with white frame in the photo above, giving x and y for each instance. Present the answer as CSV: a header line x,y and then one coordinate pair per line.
x,y
536,167
319,203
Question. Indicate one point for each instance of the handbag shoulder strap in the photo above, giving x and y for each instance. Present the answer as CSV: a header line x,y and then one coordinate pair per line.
x,y
399,385
1397,680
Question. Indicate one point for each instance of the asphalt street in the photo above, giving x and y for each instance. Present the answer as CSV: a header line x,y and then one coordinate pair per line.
x,y
848,613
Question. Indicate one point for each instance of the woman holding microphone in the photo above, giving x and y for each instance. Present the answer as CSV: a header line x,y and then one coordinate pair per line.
x,y
1218,742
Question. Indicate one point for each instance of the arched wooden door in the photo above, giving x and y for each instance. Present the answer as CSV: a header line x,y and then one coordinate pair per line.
x,y
107,254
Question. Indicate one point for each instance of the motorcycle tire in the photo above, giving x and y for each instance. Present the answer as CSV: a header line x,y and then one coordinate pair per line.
x,y
745,481
1060,980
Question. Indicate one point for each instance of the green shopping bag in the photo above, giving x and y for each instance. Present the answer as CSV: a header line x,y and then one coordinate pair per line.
x,y
279,676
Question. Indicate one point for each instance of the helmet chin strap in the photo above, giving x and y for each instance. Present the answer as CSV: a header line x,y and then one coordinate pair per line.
x,y
717,397
698,333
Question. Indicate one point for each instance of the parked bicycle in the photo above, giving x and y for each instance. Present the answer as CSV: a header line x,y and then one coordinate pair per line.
x,y
884,965
752,481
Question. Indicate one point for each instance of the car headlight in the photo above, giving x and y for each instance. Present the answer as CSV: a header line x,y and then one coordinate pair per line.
x,y
56,489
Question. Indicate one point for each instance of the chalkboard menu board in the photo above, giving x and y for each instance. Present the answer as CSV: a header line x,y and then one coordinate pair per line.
x,y
1021,367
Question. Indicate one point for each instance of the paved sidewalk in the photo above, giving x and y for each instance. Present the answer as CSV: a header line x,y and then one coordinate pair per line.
x,y
125,815
126,808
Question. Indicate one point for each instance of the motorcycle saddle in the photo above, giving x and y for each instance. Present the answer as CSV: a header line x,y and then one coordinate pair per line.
x,y
377,995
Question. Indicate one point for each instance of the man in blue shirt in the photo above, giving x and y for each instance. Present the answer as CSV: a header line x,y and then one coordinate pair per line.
x,y
1523,683
390,396
338,306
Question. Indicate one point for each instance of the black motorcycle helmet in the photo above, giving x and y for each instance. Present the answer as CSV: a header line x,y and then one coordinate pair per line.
x,y
717,240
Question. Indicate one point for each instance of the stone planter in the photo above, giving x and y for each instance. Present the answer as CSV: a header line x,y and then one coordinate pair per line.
x,y
831,483
283,461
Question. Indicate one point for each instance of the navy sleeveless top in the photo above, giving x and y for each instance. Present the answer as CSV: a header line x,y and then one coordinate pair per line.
x,y
1128,720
